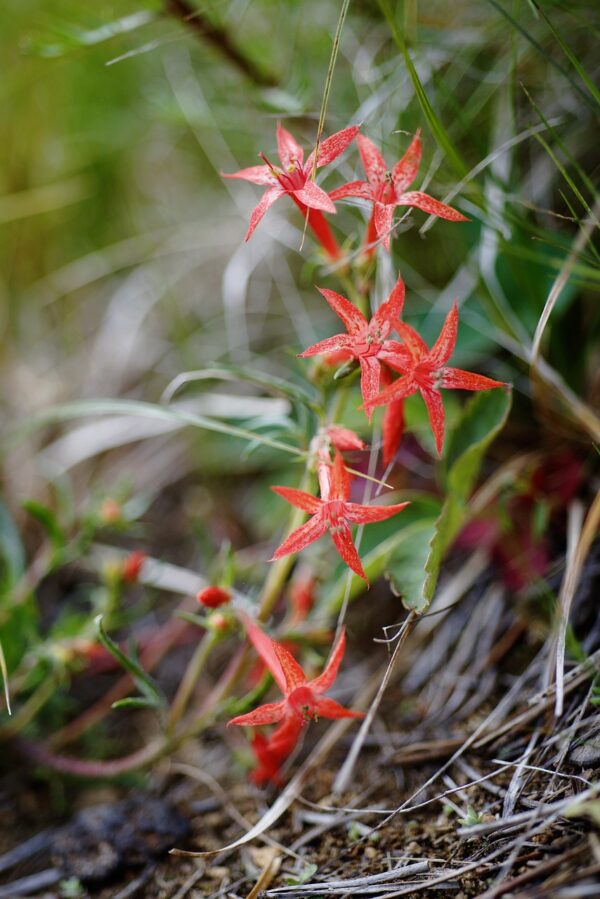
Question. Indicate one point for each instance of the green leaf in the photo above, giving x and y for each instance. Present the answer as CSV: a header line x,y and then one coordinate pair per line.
x,y
152,693
406,568
48,520
63,37
134,702
438,130
482,419
144,410
11,549
292,391
4,673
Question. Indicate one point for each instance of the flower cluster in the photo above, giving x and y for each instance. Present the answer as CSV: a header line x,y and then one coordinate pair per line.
x,y
394,363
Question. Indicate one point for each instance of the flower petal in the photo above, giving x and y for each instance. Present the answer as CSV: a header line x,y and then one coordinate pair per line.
x,y
430,206
299,498
392,428
456,378
269,713
315,197
340,480
370,370
403,387
372,160
435,408
342,537
293,673
288,148
307,533
267,200
264,646
413,341
343,439
384,215
391,310
359,514
256,174
329,708
324,681
442,349
352,189
405,171
397,356
330,345
331,147
347,311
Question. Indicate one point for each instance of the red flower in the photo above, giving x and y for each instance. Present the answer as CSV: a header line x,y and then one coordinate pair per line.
x,y
294,176
213,597
387,189
133,565
343,439
303,700
272,752
392,426
367,341
332,512
426,372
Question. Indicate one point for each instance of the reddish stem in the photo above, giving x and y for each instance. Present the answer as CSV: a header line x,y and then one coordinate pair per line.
x,y
320,228
80,768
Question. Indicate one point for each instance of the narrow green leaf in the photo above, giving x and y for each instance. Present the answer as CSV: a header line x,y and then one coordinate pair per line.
x,y
406,568
135,702
4,673
438,130
589,83
144,410
272,383
47,519
11,548
145,684
483,417
550,59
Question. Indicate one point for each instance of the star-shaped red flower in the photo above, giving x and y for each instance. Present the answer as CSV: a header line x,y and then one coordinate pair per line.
x,y
334,513
367,341
294,176
427,372
303,699
387,189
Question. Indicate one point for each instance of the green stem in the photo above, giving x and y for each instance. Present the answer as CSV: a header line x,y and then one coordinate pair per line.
x,y
190,678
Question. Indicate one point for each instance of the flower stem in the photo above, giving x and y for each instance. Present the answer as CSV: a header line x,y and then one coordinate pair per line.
x,y
190,678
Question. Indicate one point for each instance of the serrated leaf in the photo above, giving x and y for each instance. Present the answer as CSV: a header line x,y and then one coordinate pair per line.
x,y
145,684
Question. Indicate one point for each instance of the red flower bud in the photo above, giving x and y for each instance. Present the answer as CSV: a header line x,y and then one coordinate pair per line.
x,y
132,566
213,597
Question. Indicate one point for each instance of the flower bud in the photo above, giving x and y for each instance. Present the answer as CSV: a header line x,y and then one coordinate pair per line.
x,y
213,597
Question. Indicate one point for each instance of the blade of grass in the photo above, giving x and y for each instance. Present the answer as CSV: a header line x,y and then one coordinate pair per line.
x,y
523,31
435,124
4,672
570,55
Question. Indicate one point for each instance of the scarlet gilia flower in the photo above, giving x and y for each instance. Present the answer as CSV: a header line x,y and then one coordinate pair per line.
x,y
133,565
425,370
386,189
332,512
294,177
303,699
343,439
213,597
271,752
367,341
392,426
